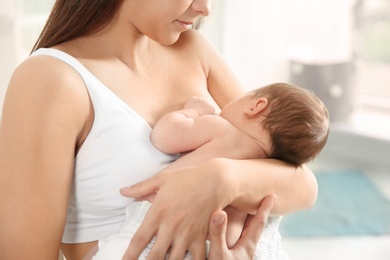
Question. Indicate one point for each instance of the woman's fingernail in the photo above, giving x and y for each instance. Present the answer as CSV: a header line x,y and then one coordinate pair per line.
x,y
125,189
275,199
219,219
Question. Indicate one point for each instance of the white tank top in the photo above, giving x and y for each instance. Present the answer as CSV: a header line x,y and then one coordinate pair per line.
x,y
116,153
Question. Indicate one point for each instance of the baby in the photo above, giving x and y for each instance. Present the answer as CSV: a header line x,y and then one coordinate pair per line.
x,y
278,121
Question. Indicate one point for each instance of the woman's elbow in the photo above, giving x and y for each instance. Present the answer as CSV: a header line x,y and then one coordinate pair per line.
x,y
311,191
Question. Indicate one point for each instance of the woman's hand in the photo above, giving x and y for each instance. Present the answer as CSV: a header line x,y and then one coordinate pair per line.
x,y
246,246
179,216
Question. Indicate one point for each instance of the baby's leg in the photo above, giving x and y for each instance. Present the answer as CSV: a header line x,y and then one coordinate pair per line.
x,y
235,225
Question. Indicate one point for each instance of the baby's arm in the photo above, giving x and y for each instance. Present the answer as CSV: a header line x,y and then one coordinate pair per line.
x,y
181,130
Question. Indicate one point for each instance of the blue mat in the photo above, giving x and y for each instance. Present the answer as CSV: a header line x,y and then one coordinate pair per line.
x,y
348,203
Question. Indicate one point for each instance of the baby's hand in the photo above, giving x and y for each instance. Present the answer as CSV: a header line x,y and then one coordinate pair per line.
x,y
200,105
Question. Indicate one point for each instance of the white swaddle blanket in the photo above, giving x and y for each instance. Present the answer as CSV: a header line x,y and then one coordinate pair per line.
x,y
115,245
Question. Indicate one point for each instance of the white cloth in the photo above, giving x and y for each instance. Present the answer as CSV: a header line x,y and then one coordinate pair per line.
x,y
116,153
115,245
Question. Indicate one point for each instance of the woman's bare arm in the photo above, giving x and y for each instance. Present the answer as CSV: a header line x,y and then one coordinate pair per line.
x,y
187,197
296,188
43,117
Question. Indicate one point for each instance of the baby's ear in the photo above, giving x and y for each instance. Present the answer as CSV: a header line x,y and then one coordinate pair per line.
x,y
259,106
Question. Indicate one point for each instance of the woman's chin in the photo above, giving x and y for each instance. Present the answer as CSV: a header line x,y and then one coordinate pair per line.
x,y
170,41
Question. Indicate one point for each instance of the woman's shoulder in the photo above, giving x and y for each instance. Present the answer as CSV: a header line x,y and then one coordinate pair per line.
x,y
42,71
47,85
34,67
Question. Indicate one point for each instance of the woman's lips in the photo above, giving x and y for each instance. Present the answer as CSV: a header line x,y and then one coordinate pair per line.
x,y
185,25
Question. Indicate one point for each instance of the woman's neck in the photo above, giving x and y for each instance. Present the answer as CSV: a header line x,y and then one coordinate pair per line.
x,y
123,43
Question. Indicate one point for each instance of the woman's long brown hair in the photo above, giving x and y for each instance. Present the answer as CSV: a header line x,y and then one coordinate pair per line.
x,y
70,19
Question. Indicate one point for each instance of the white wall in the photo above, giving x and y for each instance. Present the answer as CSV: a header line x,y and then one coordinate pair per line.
x,y
7,57
259,37
20,24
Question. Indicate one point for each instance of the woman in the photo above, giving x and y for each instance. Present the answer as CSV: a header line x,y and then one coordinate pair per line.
x,y
76,123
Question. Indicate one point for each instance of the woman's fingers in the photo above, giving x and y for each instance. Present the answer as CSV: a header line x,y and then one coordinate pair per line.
x,y
254,226
217,236
137,245
141,238
246,246
143,188
163,244
198,249
178,217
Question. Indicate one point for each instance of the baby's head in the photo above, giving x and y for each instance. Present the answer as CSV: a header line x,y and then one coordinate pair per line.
x,y
297,121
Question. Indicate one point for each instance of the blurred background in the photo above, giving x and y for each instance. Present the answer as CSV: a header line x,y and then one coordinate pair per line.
x,y
340,49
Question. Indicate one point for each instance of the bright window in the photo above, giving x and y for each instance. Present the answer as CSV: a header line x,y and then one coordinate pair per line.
x,y
373,52
329,41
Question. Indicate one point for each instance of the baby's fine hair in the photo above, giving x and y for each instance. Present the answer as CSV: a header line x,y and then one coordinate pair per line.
x,y
298,122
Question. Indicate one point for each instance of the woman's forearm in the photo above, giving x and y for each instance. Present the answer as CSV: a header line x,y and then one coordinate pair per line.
x,y
188,196
253,180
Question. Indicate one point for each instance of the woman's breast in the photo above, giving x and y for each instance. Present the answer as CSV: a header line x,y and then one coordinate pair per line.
x,y
116,153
